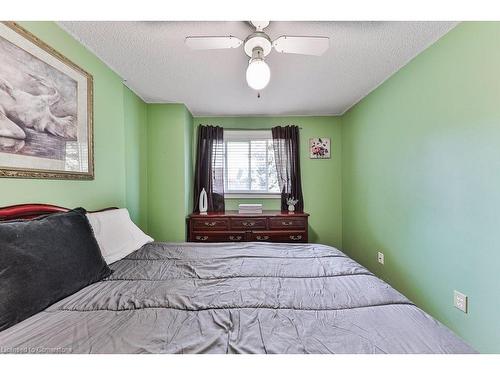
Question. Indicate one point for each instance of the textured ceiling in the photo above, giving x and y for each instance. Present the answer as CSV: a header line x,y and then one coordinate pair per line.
x,y
152,58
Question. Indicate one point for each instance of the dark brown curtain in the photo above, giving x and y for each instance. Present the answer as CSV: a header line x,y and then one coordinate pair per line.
x,y
286,154
209,169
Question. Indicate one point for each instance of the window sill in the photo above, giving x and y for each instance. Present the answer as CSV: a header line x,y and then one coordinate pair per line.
x,y
251,196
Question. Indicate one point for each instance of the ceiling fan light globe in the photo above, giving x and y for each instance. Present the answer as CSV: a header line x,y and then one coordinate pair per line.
x,y
258,74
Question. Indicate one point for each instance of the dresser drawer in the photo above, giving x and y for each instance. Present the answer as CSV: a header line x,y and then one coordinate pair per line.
x,y
287,223
210,224
278,236
248,223
218,236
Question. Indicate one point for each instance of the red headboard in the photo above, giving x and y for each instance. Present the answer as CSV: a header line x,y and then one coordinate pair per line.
x,y
28,211
32,210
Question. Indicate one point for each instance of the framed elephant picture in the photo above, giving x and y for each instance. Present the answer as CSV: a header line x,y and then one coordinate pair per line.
x,y
45,110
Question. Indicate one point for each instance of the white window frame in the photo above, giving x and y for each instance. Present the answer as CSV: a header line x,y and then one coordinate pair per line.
x,y
245,135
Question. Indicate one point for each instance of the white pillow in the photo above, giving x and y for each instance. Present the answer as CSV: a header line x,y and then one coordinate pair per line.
x,y
116,234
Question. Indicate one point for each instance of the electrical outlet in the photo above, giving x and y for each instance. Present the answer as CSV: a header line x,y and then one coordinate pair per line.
x,y
380,257
460,301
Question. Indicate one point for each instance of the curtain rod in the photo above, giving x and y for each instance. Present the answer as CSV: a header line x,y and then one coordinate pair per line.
x,y
251,128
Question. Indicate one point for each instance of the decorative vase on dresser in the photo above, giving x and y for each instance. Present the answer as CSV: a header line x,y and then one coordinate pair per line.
x,y
230,226
203,203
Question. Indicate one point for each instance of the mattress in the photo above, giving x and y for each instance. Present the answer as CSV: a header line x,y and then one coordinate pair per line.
x,y
234,298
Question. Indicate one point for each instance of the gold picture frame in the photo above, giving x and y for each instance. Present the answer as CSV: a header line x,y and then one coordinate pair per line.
x,y
58,139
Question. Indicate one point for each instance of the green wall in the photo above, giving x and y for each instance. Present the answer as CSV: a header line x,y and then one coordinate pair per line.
x,y
170,131
421,180
136,157
321,179
115,119
188,161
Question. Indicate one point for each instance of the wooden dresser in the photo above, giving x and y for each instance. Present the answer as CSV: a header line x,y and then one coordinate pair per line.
x,y
230,226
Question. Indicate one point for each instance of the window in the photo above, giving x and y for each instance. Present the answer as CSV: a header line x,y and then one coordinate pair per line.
x,y
249,163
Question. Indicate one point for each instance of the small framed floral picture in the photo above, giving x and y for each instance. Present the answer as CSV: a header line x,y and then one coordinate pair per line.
x,y
319,148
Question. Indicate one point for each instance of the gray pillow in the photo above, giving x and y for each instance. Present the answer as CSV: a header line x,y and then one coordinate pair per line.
x,y
44,260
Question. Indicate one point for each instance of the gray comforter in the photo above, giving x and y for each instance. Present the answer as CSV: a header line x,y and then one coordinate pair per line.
x,y
234,298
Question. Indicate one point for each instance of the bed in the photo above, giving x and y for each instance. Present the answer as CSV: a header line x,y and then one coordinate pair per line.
x,y
234,298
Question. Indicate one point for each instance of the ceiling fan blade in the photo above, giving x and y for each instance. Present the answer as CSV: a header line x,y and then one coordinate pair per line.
x,y
213,42
304,45
259,25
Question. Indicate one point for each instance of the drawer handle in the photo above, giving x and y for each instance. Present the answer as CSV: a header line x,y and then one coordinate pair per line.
x,y
296,238
248,223
287,223
210,224
202,238
235,238
260,238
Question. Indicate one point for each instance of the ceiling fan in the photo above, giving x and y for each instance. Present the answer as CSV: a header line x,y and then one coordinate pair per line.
x,y
258,45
